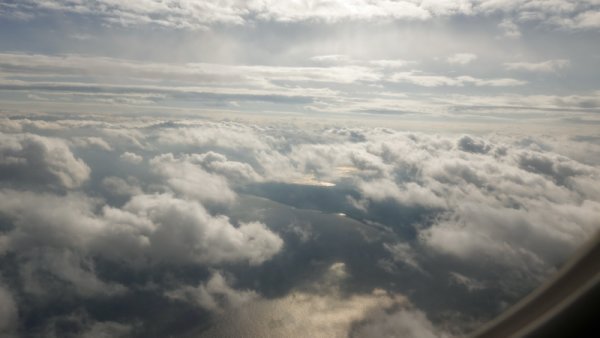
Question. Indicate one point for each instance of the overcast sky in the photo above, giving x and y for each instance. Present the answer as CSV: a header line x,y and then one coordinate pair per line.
x,y
500,59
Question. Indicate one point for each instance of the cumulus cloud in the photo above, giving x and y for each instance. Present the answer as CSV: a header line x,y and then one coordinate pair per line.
x,y
218,163
469,144
132,158
214,295
485,190
174,230
71,271
191,180
159,227
121,187
199,226
63,235
29,158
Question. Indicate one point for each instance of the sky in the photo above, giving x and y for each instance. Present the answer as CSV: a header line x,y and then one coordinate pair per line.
x,y
426,60
290,168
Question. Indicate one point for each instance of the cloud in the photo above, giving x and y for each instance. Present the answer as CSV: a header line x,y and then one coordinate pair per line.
x,y
425,80
469,283
91,142
235,172
202,227
407,323
333,88
192,74
332,59
233,136
199,15
120,187
510,29
403,253
469,144
586,20
132,158
462,58
504,189
81,324
550,66
191,180
321,309
63,234
214,295
29,159
166,229
72,272
8,313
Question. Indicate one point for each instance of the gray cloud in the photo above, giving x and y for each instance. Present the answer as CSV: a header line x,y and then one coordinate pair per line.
x,y
202,14
91,142
471,145
80,324
462,58
214,295
28,158
548,66
8,313
326,88
120,187
406,322
132,158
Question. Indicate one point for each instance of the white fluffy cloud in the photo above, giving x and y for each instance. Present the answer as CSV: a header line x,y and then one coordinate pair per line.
x,y
174,230
151,228
131,157
190,179
28,158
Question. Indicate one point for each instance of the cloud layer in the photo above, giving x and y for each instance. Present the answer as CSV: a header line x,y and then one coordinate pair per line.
x,y
229,215
188,14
